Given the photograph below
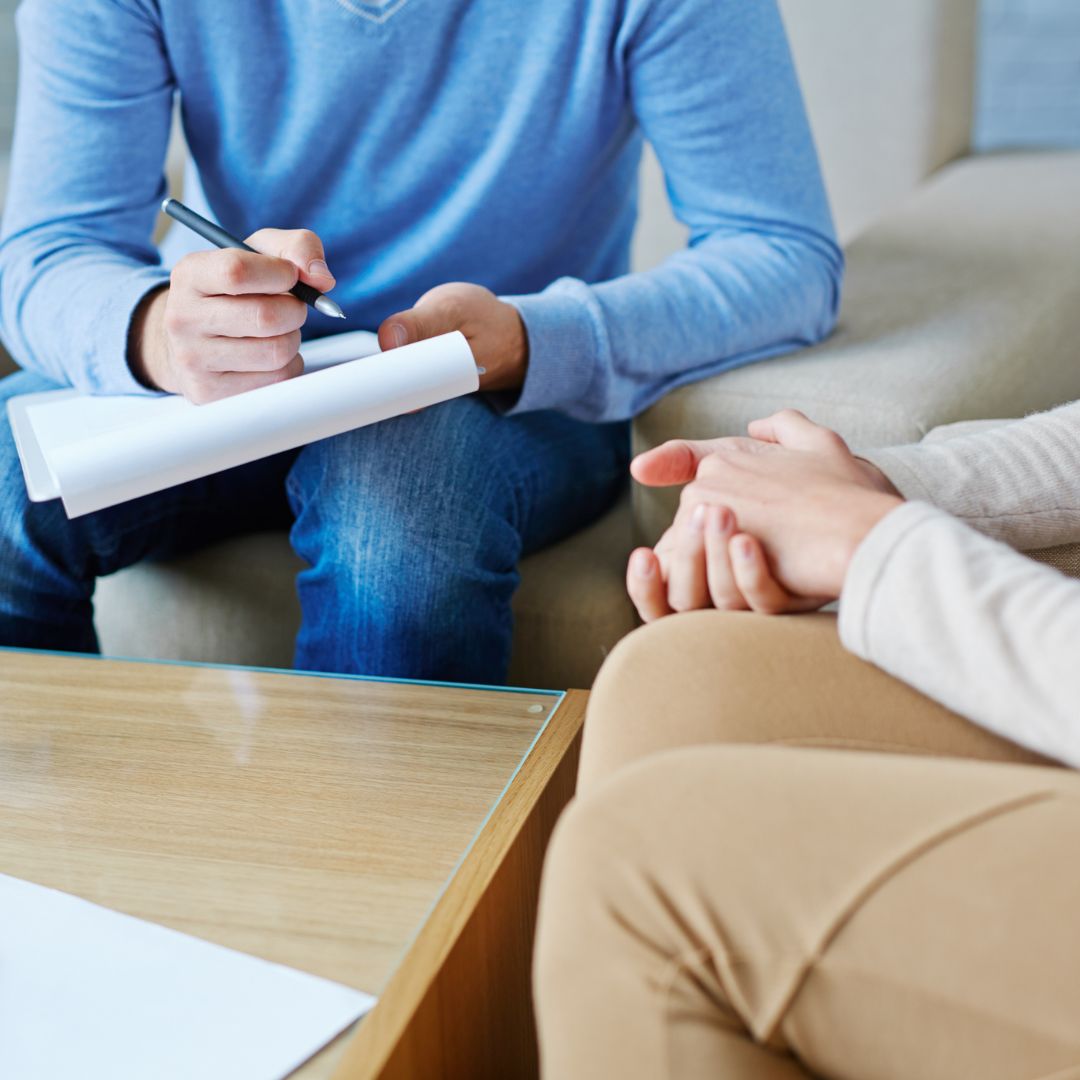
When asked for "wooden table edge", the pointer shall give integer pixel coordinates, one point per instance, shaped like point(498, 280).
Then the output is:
point(392, 1040)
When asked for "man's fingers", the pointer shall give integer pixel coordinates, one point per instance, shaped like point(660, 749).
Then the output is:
point(233, 272)
point(687, 588)
point(673, 462)
point(723, 589)
point(439, 311)
point(792, 429)
point(754, 578)
point(401, 329)
point(249, 354)
point(238, 316)
point(645, 584)
point(302, 248)
point(215, 386)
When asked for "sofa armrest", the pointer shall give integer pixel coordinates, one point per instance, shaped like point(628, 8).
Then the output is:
point(961, 304)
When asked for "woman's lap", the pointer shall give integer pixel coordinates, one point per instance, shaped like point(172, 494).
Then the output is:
point(773, 911)
point(715, 677)
point(858, 914)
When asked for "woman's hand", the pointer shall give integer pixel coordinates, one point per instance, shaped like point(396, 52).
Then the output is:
point(708, 563)
point(768, 523)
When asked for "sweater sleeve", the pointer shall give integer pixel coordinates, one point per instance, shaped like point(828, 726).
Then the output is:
point(92, 126)
point(712, 85)
point(1018, 482)
point(970, 623)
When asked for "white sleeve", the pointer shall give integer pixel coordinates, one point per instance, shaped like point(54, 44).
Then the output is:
point(967, 621)
point(1019, 483)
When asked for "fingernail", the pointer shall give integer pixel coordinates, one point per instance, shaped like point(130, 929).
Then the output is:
point(697, 518)
point(744, 549)
point(317, 268)
point(641, 564)
point(398, 334)
point(719, 521)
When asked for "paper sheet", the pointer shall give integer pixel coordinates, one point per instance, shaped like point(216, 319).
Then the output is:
point(337, 348)
point(104, 450)
point(90, 993)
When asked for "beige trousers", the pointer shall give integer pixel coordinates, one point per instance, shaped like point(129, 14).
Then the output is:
point(775, 912)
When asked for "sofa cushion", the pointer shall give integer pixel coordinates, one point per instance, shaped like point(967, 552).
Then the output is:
point(232, 603)
point(235, 603)
point(961, 304)
point(572, 606)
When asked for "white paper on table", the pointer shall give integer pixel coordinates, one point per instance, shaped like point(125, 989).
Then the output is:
point(91, 993)
point(94, 452)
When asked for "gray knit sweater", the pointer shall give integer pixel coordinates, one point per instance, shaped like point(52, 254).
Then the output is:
point(937, 596)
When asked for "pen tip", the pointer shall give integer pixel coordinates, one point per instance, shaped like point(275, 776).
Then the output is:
point(328, 308)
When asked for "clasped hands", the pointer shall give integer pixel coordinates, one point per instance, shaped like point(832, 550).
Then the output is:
point(226, 323)
point(767, 523)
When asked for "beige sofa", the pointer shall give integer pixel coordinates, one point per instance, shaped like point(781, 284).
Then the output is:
point(960, 303)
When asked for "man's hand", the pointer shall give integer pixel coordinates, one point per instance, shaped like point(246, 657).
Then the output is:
point(227, 322)
point(768, 522)
point(493, 329)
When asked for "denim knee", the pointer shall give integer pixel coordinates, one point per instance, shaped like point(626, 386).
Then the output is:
point(412, 552)
point(416, 485)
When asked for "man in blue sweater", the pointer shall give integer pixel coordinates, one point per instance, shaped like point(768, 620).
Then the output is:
point(460, 164)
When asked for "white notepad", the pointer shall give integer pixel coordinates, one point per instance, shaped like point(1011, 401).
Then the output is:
point(87, 992)
point(94, 452)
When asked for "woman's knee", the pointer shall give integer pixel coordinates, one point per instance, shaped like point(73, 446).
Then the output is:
point(679, 681)
point(586, 866)
point(625, 851)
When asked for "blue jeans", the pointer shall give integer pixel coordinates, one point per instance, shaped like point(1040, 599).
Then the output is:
point(412, 530)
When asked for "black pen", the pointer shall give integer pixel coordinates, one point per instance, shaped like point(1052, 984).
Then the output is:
point(217, 235)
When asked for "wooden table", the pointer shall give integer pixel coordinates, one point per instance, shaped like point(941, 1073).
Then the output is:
point(386, 835)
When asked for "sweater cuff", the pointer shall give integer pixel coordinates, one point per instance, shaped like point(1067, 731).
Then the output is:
point(869, 565)
point(562, 348)
point(898, 464)
point(107, 359)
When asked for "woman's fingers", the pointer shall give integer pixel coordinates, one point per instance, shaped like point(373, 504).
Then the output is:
point(723, 588)
point(687, 585)
point(645, 584)
point(707, 562)
point(796, 431)
point(673, 462)
point(754, 578)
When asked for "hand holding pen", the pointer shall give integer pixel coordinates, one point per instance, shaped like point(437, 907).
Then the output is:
point(230, 319)
point(227, 322)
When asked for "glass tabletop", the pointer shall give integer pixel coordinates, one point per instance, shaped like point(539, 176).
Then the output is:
point(310, 820)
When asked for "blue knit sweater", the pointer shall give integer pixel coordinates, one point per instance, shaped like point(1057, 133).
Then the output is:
point(492, 141)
